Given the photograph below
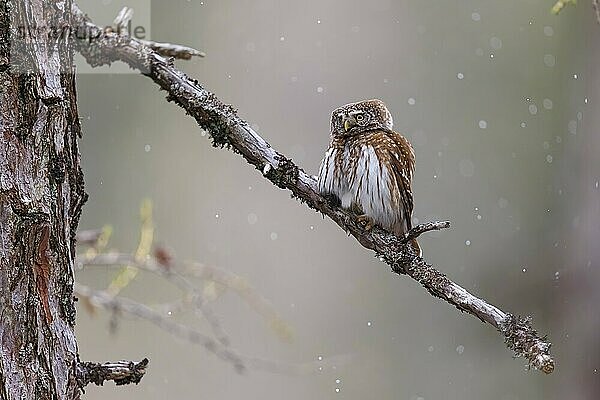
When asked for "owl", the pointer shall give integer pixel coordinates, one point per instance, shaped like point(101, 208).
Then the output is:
point(369, 167)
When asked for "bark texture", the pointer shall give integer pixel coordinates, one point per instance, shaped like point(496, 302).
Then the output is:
point(41, 196)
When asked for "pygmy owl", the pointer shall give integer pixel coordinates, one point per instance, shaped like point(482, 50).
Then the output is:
point(369, 167)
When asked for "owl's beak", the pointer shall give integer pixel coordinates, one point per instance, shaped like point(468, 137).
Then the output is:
point(348, 124)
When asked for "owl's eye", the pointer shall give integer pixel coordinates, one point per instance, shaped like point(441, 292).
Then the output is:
point(360, 117)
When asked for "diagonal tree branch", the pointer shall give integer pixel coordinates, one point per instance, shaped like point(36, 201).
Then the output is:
point(228, 130)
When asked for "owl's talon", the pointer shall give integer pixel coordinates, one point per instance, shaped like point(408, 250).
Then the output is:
point(366, 222)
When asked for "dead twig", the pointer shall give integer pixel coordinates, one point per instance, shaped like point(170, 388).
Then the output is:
point(121, 372)
point(174, 50)
point(120, 26)
point(423, 228)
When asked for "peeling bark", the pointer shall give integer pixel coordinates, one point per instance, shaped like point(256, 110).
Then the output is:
point(41, 196)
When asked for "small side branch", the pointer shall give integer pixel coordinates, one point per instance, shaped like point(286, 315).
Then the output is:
point(228, 130)
point(120, 26)
point(423, 228)
point(173, 50)
point(121, 372)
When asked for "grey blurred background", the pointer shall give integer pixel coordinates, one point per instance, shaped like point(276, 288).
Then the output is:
point(498, 99)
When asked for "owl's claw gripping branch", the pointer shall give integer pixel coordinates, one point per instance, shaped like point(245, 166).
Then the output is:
point(366, 221)
point(228, 130)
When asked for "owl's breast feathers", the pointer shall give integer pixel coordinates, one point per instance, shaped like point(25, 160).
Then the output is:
point(372, 171)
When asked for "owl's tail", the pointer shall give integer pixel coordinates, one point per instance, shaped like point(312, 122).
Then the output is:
point(415, 245)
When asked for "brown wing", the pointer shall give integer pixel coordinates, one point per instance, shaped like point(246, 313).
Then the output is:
point(403, 166)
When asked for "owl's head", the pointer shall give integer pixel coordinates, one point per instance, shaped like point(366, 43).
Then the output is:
point(363, 116)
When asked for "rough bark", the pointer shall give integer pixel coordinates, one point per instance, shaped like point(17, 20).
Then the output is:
point(41, 196)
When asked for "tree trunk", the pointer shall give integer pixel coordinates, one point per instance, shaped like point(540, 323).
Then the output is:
point(41, 196)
